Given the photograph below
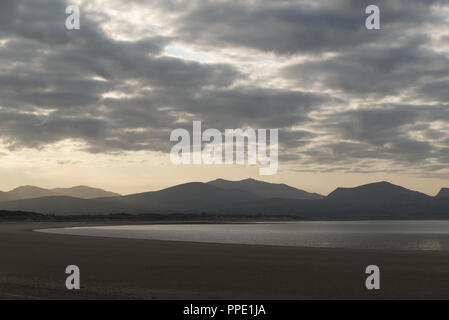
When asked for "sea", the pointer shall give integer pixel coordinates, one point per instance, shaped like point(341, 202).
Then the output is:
point(394, 235)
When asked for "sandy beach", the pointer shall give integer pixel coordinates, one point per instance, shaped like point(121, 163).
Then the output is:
point(32, 267)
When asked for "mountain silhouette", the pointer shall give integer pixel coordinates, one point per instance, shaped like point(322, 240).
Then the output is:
point(189, 197)
point(84, 192)
point(32, 192)
point(25, 192)
point(194, 197)
point(444, 193)
point(379, 191)
point(381, 200)
point(265, 189)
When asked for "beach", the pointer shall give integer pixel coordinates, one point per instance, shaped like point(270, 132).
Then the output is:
point(32, 266)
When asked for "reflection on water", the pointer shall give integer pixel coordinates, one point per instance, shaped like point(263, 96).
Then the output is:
point(403, 235)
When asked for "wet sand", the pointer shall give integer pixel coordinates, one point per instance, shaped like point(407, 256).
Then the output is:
point(32, 266)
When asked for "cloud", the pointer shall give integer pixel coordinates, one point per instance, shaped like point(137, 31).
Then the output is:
point(436, 91)
point(289, 27)
point(344, 98)
point(399, 133)
point(387, 69)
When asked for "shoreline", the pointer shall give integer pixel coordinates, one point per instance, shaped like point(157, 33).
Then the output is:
point(33, 265)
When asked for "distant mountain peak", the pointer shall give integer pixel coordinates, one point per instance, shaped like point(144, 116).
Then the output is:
point(84, 192)
point(444, 193)
point(26, 187)
point(82, 187)
point(32, 192)
point(378, 191)
point(265, 189)
point(384, 183)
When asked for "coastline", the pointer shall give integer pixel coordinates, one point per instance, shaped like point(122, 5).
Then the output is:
point(33, 265)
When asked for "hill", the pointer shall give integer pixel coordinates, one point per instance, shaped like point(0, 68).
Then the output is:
point(444, 193)
point(379, 191)
point(192, 197)
point(32, 192)
point(265, 189)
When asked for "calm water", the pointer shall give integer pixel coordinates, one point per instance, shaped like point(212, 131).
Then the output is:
point(404, 235)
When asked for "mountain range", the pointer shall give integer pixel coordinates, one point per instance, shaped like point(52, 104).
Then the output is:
point(29, 192)
point(265, 190)
point(381, 200)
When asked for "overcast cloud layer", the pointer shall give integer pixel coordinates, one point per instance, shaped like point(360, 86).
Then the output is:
point(344, 98)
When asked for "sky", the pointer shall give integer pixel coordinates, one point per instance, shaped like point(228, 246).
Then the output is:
point(96, 106)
